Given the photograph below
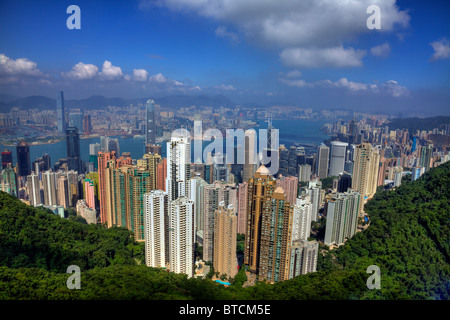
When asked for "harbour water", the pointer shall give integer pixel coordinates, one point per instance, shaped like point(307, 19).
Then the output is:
point(291, 132)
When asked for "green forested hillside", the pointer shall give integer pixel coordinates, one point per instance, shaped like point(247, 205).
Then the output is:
point(408, 239)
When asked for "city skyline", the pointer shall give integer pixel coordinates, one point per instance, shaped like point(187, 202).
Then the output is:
point(250, 52)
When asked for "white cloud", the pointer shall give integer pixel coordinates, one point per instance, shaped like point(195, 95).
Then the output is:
point(390, 87)
point(225, 87)
point(317, 58)
point(158, 78)
point(224, 33)
point(296, 24)
point(81, 71)
point(110, 72)
point(383, 50)
point(18, 67)
point(441, 49)
point(140, 75)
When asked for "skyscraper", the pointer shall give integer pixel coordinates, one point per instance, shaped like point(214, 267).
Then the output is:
point(23, 159)
point(60, 121)
point(322, 161)
point(178, 166)
point(342, 217)
point(276, 237)
point(6, 158)
point(87, 125)
point(301, 222)
point(9, 181)
point(150, 132)
point(225, 233)
point(182, 236)
point(156, 221)
point(73, 149)
point(76, 121)
point(242, 207)
point(103, 159)
point(34, 190)
point(249, 155)
point(260, 189)
point(304, 172)
point(365, 171)
point(337, 158)
point(290, 186)
point(49, 183)
point(303, 257)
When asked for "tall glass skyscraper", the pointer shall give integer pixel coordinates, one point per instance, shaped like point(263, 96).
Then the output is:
point(73, 149)
point(150, 129)
point(23, 159)
point(61, 124)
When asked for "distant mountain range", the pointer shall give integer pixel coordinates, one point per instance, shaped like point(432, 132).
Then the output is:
point(7, 102)
point(414, 124)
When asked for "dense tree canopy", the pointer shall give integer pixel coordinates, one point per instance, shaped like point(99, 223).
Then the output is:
point(408, 239)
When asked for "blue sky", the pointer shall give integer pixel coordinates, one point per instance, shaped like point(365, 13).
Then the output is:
point(307, 53)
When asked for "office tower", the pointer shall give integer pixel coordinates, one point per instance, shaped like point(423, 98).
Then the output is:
point(342, 217)
point(9, 181)
point(249, 155)
point(34, 189)
point(89, 193)
point(322, 161)
point(348, 167)
point(283, 154)
point(398, 174)
point(314, 194)
point(221, 171)
point(197, 194)
point(73, 149)
point(87, 124)
point(113, 145)
point(276, 237)
point(365, 171)
point(150, 131)
point(6, 158)
point(337, 158)
point(427, 155)
point(290, 186)
point(60, 115)
point(304, 172)
point(76, 121)
point(301, 222)
point(103, 159)
point(178, 166)
point(104, 144)
point(150, 162)
point(225, 233)
point(213, 195)
point(156, 221)
point(303, 257)
point(260, 189)
point(242, 207)
point(23, 159)
point(72, 183)
point(344, 182)
point(49, 184)
point(161, 175)
point(94, 149)
point(181, 236)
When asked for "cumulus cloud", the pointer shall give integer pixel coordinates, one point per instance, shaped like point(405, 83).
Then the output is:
point(296, 24)
point(391, 87)
point(158, 78)
point(18, 67)
point(81, 71)
point(110, 72)
point(140, 75)
point(383, 50)
point(327, 57)
point(441, 49)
